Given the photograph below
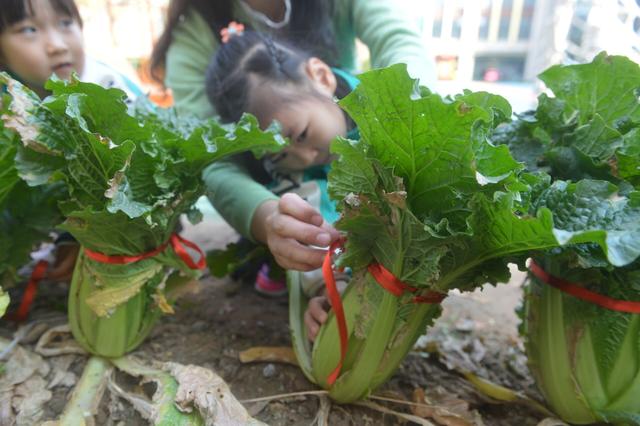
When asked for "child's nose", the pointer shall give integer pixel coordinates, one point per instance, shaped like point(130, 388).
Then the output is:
point(55, 42)
point(309, 156)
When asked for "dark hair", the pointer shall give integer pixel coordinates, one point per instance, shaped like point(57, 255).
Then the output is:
point(245, 62)
point(310, 25)
point(239, 66)
point(13, 11)
point(251, 61)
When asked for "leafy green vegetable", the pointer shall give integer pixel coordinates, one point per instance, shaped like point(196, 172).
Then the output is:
point(427, 195)
point(589, 129)
point(27, 214)
point(128, 178)
point(4, 302)
point(585, 358)
point(243, 258)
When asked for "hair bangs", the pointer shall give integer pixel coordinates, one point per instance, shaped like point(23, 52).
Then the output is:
point(14, 11)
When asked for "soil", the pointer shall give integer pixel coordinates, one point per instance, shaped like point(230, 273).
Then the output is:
point(477, 332)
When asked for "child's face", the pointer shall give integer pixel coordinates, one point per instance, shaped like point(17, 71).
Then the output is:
point(310, 121)
point(310, 124)
point(45, 43)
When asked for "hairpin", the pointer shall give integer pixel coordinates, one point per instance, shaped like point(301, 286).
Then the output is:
point(234, 29)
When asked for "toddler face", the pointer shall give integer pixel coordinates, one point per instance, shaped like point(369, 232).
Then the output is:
point(46, 42)
point(310, 124)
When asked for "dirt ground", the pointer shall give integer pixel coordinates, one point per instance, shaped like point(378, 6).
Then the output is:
point(477, 333)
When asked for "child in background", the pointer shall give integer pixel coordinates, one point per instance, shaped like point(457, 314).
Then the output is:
point(39, 38)
point(274, 80)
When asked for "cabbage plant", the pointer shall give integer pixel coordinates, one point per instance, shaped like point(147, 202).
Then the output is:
point(585, 357)
point(426, 195)
point(127, 178)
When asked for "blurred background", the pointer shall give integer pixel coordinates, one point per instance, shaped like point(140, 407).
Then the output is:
point(494, 45)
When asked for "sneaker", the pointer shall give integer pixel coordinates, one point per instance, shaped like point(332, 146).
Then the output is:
point(268, 286)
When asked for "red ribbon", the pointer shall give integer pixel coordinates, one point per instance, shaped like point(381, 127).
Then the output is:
point(177, 243)
point(30, 292)
point(393, 285)
point(582, 293)
point(384, 277)
point(336, 305)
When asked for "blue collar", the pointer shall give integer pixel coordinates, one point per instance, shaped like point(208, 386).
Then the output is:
point(351, 80)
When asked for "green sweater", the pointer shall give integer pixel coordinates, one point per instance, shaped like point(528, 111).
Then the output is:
point(384, 26)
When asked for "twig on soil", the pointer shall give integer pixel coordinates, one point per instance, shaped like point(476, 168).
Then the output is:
point(286, 395)
point(373, 406)
point(322, 417)
point(400, 401)
point(17, 338)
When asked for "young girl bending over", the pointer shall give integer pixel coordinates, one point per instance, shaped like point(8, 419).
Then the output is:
point(276, 81)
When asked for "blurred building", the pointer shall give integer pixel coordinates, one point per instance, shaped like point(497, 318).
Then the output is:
point(611, 25)
point(478, 43)
point(122, 33)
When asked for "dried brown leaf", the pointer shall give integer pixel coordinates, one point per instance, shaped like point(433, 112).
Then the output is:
point(446, 409)
point(281, 354)
point(204, 390)
point(58, 341)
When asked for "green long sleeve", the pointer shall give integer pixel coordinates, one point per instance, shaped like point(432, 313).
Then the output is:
point(383, 25)
point(235, 194)
point(392, 37)
point(188, 56)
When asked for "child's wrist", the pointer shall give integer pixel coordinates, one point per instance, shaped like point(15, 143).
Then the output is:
point(259, 220)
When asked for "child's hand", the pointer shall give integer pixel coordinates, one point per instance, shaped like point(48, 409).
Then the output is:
point(291, 226)
point(317, 311)
point(316, 315)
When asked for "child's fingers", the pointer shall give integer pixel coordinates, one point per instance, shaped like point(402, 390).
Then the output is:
point(318, 307)
point(290, 254)
point(331, 230)
point(294, 205)
point(311, 326)
point(315, 316)
point(319, 233)
point(286, 226)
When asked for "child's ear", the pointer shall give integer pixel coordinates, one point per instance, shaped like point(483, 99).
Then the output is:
point(321, 76)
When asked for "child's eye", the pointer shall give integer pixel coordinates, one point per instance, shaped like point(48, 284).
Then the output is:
point(278, 157)
point(302, 136)
point(27, 29)
point(66, 22)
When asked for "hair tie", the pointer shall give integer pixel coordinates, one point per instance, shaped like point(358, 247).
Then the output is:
point(233, 29)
